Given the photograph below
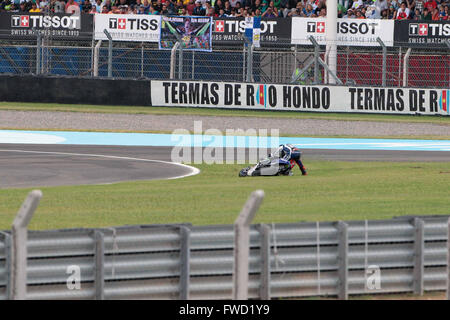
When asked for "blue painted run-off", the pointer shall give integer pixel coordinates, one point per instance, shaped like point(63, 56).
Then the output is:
point(151, 139)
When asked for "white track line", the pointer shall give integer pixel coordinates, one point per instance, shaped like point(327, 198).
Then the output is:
point(193, 172)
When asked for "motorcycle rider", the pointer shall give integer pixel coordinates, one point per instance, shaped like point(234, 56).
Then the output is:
point(290, 155)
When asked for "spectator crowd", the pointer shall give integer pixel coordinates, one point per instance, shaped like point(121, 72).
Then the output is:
point(356, 9)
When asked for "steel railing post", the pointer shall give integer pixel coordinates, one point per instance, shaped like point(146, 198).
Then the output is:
point(406, 67)
point(180, 62)
point(185, 258)
point(264, 289)
point(342, 260)
point(19, 250)
point(419, 250)
point(448, 258)
point(316, 59)
point(242, 244)
point(96, 58)
point(38, 50)
point(384, 70)
point(110, 49)
point(7, 242)
point(173, 60)
point(99, 240)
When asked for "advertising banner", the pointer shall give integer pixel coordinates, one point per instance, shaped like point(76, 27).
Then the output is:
point(300, 98)
point(273, 31)
point(422, 33)
point(126, 27)
point(350, 32)
point(195, 33)
point(19, 26)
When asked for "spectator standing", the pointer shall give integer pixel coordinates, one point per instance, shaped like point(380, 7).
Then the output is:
point(380, 5)
point(98, 6)
point(426, 14)
point(108, 5)
point(198, 10)
point(435, 14)
point(403, 12)
point(86, 6)
point(227, 8)
point(190, 7)
point(34, 8)
point(445, 14)
point(234, 2)
point(430, 5)
point(152, 11)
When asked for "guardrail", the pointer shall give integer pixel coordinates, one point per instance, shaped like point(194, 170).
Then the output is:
point(196, 262)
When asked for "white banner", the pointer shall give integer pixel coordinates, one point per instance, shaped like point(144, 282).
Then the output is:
point(350, 32)
point(300, 98)
point(126, 27)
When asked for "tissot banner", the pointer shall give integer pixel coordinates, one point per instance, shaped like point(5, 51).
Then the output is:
point(350, 32)
point(421, 33)
point(19, 26)
point(230, 31)
point(194, 33)
point(300, 98)
point(126, 27)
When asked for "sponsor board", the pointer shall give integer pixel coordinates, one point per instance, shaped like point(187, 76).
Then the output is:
point(194, 33)
point(126, 27)
point(58, 26)
point(350, 32)
point(300, 98)
point(421, 33)
point(275, 31)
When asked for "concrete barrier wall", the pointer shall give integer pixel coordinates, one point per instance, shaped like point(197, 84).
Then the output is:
point(53, 89)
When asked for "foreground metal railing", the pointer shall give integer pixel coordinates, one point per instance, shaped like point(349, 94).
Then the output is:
point(400, 255)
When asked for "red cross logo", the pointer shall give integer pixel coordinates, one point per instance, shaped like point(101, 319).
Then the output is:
point(320, 27)
point(423, 29)
point(24, 21)
point(220, 26)
point(122, 23)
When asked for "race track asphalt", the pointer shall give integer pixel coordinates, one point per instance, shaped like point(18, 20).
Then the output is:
point(34, 165)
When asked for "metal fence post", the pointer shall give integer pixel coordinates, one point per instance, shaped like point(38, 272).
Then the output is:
point(185, 258)
point(96, 58)
point(384, 60)
point(324, 65)
point(19, 252)
point(180, 62)
point(264, 289)
point(99, 265)
point(193, 66)
point(250, 63)
point(419, 246)
point(242, 243)
point(173, 60)
point(316, 60)
point(108, 35)
point(7, 239)
point(38, 50)
point(448, 258)
point(342, 260)
point(406, 67)
point(142, 59)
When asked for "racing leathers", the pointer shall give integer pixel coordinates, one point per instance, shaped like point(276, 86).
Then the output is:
point(289, 156)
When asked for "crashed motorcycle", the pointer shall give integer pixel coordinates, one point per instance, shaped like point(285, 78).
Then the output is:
point(268, 167)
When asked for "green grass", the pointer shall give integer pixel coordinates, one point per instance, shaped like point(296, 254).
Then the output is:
point(218, 112)
point(331, 191)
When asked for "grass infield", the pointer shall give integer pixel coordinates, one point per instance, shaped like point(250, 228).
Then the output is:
point(332, 191)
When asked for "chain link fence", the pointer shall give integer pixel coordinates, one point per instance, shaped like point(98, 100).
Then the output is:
point(396, 66)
